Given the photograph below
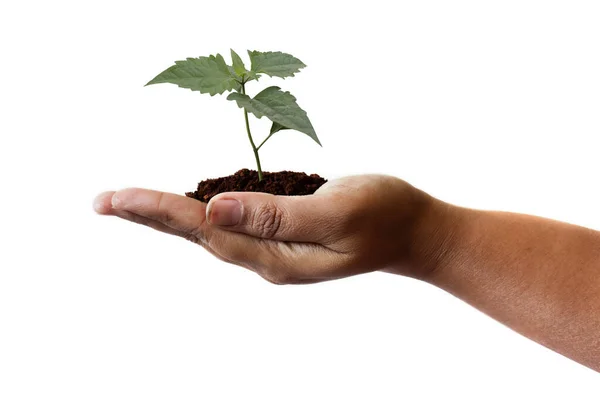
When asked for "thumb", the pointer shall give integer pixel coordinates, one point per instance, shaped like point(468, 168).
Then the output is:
point(286, 218)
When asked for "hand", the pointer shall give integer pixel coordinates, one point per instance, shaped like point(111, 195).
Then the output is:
point(349, 226)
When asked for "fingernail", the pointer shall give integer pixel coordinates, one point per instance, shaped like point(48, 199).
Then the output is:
point(225, 212)
point(115, 201)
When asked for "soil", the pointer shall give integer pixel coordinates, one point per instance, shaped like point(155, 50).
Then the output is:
point(245, 180)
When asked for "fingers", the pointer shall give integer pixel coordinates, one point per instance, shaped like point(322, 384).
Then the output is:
point(176, 212)
point(285, 218)
point(103, 205)
point(275, 260)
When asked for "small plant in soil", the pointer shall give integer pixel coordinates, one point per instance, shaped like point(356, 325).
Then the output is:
point(213, 75)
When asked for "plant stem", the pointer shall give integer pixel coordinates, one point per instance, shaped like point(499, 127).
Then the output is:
point(263, 142)
point(254, 148)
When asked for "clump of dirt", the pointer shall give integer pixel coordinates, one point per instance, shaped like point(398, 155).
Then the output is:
point(280, 183)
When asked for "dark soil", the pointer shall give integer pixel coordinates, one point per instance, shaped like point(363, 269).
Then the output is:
point(245, 180)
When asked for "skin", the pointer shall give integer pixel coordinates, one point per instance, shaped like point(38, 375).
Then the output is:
point(537, 276)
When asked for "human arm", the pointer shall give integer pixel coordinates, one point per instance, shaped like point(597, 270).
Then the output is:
point(537, 276)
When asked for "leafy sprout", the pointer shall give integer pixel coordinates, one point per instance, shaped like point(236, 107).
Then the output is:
point(213, 75)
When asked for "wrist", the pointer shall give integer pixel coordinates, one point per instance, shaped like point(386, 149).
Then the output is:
point(436, 239)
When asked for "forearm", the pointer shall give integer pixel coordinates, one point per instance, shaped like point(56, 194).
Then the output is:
point(537, 276)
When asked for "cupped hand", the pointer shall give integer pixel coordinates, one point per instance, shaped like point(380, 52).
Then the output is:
point(349, 226)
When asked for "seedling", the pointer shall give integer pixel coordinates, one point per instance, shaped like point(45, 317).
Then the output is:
point(212, 75)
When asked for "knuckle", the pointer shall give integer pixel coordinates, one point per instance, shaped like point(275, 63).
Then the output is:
point(267, 220)
point(195, 235)
point(199, 233)
point(193, 238)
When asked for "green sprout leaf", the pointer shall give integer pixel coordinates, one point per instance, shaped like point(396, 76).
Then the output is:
point(278, 106)
point(204, 74)
point(240, 70)
point(212, 75)
point(275, 63)
point(238, 64)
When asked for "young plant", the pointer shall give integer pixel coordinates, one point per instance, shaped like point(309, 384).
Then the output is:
point(212, 75)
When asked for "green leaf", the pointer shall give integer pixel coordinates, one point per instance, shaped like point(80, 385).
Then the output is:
point(240, 70)
point(232, 71)
point(275, 63)
point(204, 74)
point(238, 64)
point(278, 106)
point(276, 127)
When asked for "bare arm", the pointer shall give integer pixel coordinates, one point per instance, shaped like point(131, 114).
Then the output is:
point(537, 276)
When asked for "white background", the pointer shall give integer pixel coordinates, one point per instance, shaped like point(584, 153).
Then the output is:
point(484, 104)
